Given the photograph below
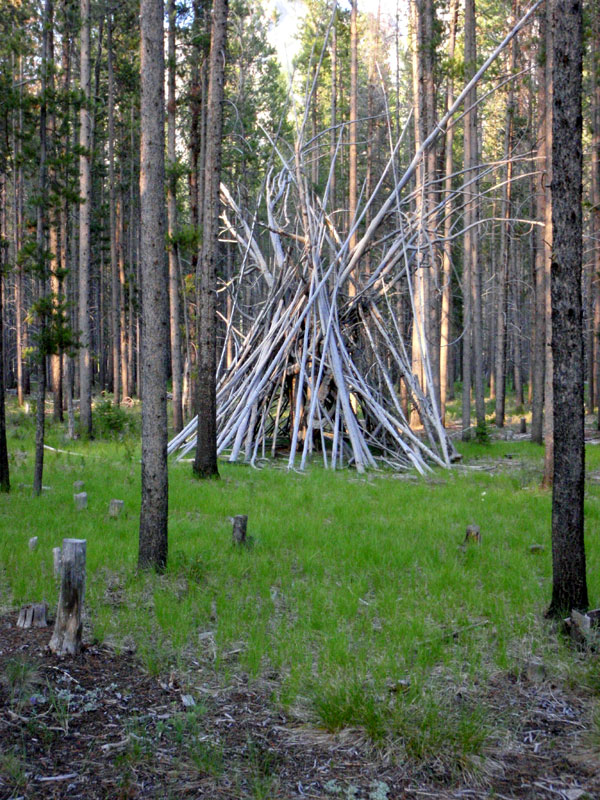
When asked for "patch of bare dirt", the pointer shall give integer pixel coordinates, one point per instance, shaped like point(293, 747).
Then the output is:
point(98, 726)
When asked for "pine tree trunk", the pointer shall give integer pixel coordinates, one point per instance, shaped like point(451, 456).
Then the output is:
point(470, 278)
point(205, 462)
point(85, 194)
point(353, 134)
point(569, 587)
point(334, 132)
point(176, 370)
point(538, 353)
point(112, 203)
point(595, 167)
point(446, 313)
point(41, 262)
point(4, 468)
point(548, 382)
point(153, 541)
point(505, 244)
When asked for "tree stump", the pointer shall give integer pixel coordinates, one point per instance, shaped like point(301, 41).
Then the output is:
point(240, 523)
point(66, 639)
point(33, 543)
point(473, 534)
point(33, 616)
point(80, 500)
point(115, 508)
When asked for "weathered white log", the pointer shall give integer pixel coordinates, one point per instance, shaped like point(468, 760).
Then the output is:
point(33, 616)
point(66, 639)
point(57, 561)
point(240, 523)
point(81, 500)
point(115, 508)
point(33, 543)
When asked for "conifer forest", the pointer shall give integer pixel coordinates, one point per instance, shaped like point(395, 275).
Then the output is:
point(332, 268)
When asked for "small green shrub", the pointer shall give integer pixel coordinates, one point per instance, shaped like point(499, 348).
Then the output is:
point(111, 421)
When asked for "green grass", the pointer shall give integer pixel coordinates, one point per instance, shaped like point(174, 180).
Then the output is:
point(353, 584)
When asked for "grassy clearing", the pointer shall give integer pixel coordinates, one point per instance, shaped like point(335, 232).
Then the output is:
point(357, 599)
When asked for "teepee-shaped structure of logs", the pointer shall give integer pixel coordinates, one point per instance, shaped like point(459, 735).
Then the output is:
point(323, 363)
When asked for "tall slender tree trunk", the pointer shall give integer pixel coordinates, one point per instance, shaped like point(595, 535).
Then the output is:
point(40, 420)
point(538, 353)
point(334, 132)
point(569, 587)
point(353, 134)
point(176, 369)
point(420, 278)
point(205, 462)
point(505, 245)
point(471, 280)
point(446, 313)
point(4, 468)
point(595, 166)
point(120, 252)
point(85, 194)
point(112, 204)
point(53, 231)
point(548, 381)
point(153, 539)
point(18, 234)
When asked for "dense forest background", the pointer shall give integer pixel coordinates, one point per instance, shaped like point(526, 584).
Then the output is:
point(319, 159)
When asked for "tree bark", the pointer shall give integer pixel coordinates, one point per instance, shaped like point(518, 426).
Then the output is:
point(112, 190)
point(176, 369)
point(40, 419)
point(446, 312)
point(595, 166)
point(569, 588)
point(505, 245)
point(153, 541)
point(85, 194)
point(353, 134)
point(205, 462)
point(4, 468)
point(538, 353)
point(548, 380)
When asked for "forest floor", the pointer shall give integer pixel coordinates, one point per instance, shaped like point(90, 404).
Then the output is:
point(360, 648)
point(98, 726)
